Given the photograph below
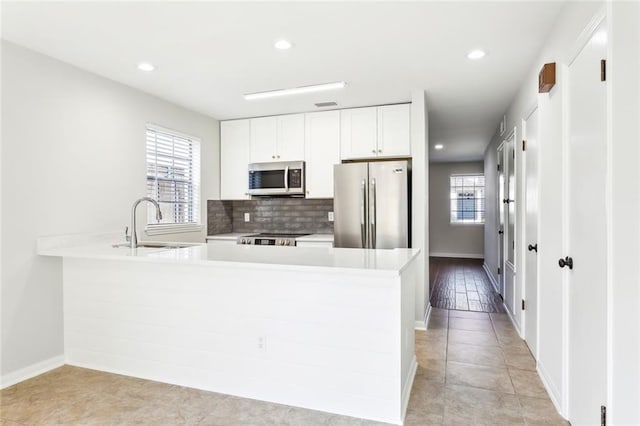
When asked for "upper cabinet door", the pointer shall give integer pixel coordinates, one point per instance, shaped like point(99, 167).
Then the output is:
point(234, 158)
point(290, 146)
point(322, 151)
point(358, 133)
point(394, 131)
point(264, 136)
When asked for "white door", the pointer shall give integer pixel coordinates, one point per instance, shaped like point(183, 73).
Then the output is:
point(234, 159)
point(264, 135)
point(511, 293)
point(531, 232)
point(290, 146)
point(501, 219)
point(587, 242)
point(359, 133)
point(394, 138)
point(322, 151)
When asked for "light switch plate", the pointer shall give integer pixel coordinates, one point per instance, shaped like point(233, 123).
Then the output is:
point(330, 216)
point(247, 217)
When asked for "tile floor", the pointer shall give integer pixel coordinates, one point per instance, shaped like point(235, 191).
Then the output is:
point(473, 369)
point(462, 284)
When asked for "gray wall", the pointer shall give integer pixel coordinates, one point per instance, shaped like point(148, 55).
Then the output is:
point(446, 239)
point(73, 161)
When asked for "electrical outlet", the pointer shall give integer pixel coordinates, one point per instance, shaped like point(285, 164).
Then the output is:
point(330, 216)
point(247, 217)
point(262, 344)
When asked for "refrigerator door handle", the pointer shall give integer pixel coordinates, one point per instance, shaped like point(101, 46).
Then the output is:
point(363, 206)
point(372, 219)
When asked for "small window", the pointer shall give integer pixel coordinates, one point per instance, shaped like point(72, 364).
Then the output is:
point(467, 199)
point(173, 179)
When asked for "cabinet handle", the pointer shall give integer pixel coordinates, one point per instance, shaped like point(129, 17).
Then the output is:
point(277, 156)
point(273, 156)
point(379, 151)
point(373, 151)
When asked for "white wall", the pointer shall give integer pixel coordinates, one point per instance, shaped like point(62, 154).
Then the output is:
point(420, 198)
point(623, 293)
point(73, 161)
point(574, 17)
point(445, 239)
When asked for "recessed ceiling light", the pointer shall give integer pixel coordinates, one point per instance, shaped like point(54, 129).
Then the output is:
point(295, 90)
point(438, 146)
point(476, 54)
point(146, 66)
point(283, 44)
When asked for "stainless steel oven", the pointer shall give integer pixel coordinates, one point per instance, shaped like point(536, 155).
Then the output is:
point(278, 178)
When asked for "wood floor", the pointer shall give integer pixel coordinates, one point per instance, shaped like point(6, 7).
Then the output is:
point(462, 284)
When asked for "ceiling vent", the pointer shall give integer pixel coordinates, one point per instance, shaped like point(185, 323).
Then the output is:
point(326, 104)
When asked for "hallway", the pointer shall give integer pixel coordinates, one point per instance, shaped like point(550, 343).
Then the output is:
point(462, 284)
point(475, 369)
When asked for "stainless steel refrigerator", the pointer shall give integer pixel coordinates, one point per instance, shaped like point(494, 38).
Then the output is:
point(371, 205)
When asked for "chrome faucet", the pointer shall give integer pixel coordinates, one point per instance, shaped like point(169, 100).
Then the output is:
point(133, 239)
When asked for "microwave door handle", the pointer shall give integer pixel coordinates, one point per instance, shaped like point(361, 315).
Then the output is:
point(363, 206)
point(286, 178)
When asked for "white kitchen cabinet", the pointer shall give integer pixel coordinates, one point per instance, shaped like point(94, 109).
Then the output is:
point(264, 137)
point(358, 132)
point(394, 127)
point(376, 132)
point(235, 136)
point(322, 151)
point(279, 138)
point(315, 244)
point(290, 139)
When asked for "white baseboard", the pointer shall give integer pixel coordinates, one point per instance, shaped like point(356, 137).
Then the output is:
point(422, 325)
point(458, 255)
point(493, 281)
point(513, 321)
point(554, 395)
point(30, 371)
point(408, 384)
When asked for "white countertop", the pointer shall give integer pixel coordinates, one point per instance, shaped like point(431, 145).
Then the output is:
point(385, 262)
point(307, 238)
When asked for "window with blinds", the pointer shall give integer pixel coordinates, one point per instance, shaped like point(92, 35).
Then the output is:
point(173, 178)
point(467, 198)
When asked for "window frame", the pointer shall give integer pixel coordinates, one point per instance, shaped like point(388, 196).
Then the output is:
point(484, 217)
point(172, 228)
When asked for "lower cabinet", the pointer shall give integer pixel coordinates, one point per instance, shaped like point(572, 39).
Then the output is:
point(326, 244)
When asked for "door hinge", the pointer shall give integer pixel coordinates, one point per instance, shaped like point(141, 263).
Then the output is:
point(524, 145)
point(514, 154)
point(513, 245)
point(603, 415)
point(498, 167)
point(603, 70)
point(498, 271)
point(523, 304)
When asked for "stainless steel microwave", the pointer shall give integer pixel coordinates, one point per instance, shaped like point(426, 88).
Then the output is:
point(278, 178)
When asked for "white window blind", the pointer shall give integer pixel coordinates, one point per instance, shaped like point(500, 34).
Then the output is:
point(467, 198)
point(173, 179)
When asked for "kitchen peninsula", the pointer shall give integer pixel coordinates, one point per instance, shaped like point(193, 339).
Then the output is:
point(321, 328)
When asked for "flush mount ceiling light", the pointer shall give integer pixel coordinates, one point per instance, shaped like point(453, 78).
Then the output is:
point(146, 66)
point(283, 44)
point(438, 146)
point(296, 90)
point(476, 54)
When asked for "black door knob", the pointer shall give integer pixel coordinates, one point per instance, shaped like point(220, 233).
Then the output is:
point(533, 248)
point(505, 201)
point(567, 261)
point(500, 232)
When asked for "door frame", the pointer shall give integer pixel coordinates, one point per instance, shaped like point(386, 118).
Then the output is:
point(533, 108)
point(499, 211)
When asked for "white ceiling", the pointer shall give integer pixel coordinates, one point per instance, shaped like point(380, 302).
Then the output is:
point(208, 54)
